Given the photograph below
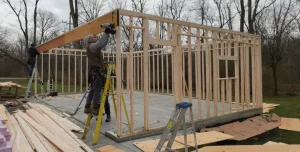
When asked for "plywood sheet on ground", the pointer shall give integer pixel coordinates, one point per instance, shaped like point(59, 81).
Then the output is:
point(109, 148)
point(248, 128)
point(292, 124)
point(202, 139)
point(252, 148)
point(274, 143)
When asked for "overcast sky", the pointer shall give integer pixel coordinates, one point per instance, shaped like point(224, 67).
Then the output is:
point(58, 7)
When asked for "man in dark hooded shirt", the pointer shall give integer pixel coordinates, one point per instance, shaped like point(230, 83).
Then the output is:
point(33, 52)
point(96, 68)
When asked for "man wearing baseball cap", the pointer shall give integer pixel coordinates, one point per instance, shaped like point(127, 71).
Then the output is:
point(96, 69)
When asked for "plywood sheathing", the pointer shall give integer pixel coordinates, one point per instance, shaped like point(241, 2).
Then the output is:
point(252, 148)
point(109, 148)
point(248, 128)
point(292, 124)
point(202, 139)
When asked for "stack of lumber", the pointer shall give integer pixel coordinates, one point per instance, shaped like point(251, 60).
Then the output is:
point(40, 129)
point(10, 85)
point(3, 114)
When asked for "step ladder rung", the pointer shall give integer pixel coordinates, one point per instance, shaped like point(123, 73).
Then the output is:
point(108, 89)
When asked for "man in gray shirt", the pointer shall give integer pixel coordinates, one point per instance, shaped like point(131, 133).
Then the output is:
point(97, 69)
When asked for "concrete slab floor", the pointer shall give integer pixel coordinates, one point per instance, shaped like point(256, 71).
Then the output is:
point(160, 110)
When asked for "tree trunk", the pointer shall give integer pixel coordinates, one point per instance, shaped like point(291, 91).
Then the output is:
point(250, 18)
point(74, 15)
point(242, 20)
point(274, 70)
point(16, 59)
point(34, 21)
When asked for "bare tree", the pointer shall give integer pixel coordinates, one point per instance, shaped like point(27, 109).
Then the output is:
point(117, 4)
point(242, 19)
point(276, 27)
point(74, 12)
point(252, 14)
point(202, 11)
point(21, 12)
point(34, 20)
point(90, 9)
point(224, 13)
point(8, 49)
point(240, 8)
point(74, 15)
point(47, 25)
point(175, 8)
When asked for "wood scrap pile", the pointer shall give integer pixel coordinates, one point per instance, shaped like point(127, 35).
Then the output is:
point(251, 148)
point(249, 128)
point(10, 85)
point(269, 106)
point(202, 139)
point(40, 129)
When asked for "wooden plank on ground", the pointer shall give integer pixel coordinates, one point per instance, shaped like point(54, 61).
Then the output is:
point(53, 138)
point(21, 143)
point(31, 136)
point(292, 124)
point(58, 119)
point(202, 139)
point(66, 131)
point(55, 129)
point(11, 130)
point(49, 146)
point(68, 124)
point(252, 148)
point(109, 148)
point(64, 134)
point(248, 128)
point(3, 115)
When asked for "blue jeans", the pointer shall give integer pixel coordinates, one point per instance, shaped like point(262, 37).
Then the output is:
point(31, 67)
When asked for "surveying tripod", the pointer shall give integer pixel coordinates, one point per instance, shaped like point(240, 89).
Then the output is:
point(110, 69)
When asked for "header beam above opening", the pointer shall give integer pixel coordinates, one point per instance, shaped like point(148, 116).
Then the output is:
point(92, 27)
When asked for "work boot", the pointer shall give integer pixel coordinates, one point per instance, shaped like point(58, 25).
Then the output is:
point(87, 109)
point(95, 110)
point(108, 118)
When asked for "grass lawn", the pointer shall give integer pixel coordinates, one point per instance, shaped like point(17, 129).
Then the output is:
point(24, 83)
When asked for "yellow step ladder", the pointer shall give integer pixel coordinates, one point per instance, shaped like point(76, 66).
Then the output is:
point(111, 68)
